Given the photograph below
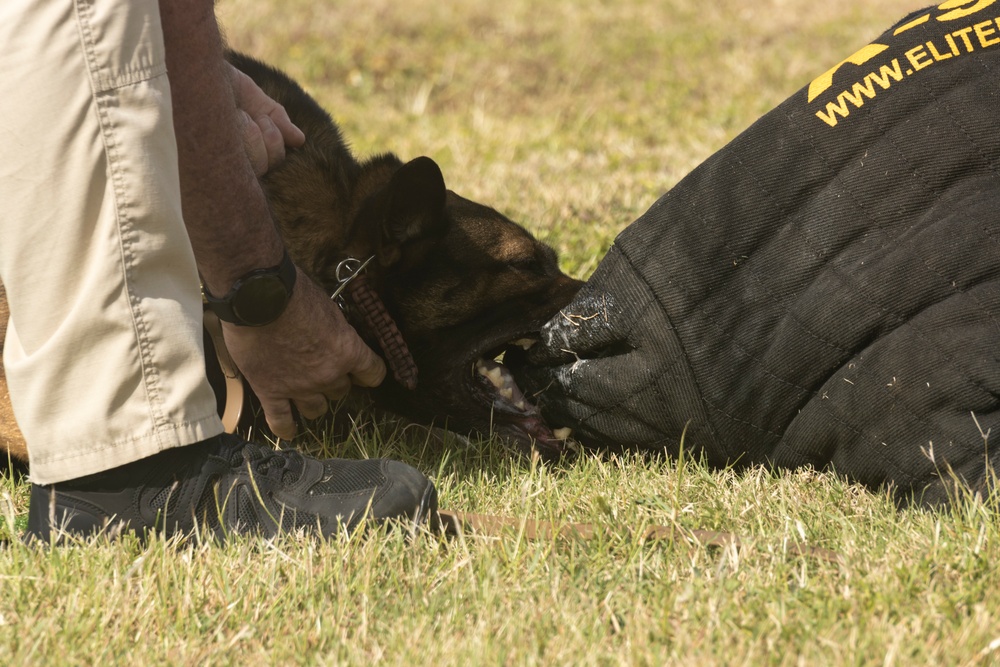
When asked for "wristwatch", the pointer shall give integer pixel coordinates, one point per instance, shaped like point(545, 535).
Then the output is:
point(256, 298)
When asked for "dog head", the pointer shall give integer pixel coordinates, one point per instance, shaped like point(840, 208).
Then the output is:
point(466, 286)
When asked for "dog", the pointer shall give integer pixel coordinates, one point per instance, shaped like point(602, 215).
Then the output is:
point(458, 285)
point(11, 440)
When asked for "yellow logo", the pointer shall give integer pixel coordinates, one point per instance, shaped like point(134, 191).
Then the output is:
point(958, 13)
point(969, 39)
point(822, 83)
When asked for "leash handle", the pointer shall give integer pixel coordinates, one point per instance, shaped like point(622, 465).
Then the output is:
point(459, 523)
point(234, 379)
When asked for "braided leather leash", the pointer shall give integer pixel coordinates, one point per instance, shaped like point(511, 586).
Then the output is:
point(380, 324)
point(460, 523)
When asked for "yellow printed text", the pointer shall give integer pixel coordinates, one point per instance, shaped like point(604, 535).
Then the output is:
point(982, 35)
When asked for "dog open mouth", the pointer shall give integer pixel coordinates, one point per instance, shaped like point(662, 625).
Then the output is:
point(513, 414)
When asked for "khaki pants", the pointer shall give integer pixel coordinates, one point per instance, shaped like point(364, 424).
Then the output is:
point(103, 354)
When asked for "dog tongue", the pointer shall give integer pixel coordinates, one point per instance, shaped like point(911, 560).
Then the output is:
point(509, 399)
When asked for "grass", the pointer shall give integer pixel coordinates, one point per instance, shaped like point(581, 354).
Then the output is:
point(572, 116)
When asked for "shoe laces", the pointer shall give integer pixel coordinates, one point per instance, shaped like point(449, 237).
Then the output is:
point(266, 461)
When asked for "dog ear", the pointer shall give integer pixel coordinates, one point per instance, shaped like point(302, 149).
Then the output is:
point(416, 199)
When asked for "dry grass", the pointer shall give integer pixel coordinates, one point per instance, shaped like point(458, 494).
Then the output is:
point(572, 116)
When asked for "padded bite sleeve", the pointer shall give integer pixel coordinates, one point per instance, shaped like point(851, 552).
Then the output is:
point(824, 290)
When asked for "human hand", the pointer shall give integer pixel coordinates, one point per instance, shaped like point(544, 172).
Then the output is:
point(306, 357)
point(609, 366)
point(267, 129)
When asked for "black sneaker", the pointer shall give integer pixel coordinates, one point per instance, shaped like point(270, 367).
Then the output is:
point(226, 486)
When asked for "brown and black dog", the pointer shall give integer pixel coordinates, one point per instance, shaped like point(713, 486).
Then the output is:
point(463, 283)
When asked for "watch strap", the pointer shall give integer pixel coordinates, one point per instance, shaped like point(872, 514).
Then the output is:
point(223, 306)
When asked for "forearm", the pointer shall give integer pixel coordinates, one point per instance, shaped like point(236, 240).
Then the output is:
point(227, 218)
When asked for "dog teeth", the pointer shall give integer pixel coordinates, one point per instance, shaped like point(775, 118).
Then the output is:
point(494, 375)
point(562, 433)
point(524, 343)
point(507, 391)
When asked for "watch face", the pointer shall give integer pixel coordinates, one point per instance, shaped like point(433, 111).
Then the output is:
point(260, 299)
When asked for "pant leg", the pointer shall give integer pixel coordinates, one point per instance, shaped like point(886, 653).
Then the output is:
point(104, 355)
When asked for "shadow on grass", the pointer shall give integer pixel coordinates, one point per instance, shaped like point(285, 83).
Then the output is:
point(14, 469)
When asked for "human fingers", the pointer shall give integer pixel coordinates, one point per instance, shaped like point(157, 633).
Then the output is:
point(254, 145)
point(313, 407)
point(290, 132)
point(271, 137)
point(255, 102)
point(369, 371)
point(279, 417)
